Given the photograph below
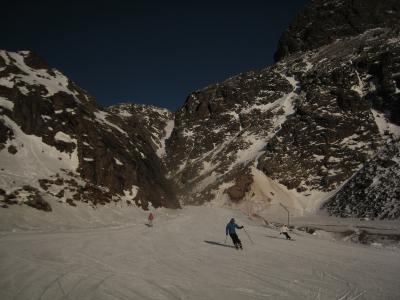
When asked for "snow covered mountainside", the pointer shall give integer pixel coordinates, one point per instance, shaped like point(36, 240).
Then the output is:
point(318, 128)
point(304, 125)
point(57, 143)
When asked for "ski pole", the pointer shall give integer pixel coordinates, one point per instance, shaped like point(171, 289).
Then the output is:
point(225, 239)
point(248, 236)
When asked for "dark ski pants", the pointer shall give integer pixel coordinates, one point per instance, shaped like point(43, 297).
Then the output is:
point(287, 236)
point(235, 240)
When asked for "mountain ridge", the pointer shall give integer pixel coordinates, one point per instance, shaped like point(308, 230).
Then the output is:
point(297, 132)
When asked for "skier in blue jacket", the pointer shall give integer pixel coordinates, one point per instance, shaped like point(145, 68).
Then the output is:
point(231, 230)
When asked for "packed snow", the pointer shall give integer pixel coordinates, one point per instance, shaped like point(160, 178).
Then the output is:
point(110, 253)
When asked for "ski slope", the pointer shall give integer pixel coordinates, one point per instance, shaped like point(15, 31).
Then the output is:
point(109, 253)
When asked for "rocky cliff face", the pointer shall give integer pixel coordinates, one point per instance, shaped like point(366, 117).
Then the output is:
point(325, 21)
point(308, 123)
point(154, 123)
point(56, 141)
point(374, 191)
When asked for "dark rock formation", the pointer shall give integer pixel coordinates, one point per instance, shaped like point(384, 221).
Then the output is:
point(325, 21)
point(242, 185)
point(374, 191)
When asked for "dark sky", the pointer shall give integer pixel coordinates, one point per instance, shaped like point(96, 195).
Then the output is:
point(152, 52)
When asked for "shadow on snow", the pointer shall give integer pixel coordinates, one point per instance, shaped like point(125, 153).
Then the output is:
point(219, 244)
point(279, 238)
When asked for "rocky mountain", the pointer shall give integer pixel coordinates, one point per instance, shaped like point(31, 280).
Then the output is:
point(374, 191)
point(303, 126)
point(55, 141)
point(325, 21)
point(320, 126)
point(154, 123)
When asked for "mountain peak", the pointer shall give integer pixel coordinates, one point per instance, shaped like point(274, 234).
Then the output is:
point(324, 21)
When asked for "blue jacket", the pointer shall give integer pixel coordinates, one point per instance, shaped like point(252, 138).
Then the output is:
point(231, 226)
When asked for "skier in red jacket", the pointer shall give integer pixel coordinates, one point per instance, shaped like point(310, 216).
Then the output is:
point(151, 218)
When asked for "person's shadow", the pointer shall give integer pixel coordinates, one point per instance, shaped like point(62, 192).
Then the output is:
point(274, 237)
point(279, 238)
point(219, 244)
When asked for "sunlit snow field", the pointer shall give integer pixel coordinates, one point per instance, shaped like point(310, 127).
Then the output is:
point(109, 253)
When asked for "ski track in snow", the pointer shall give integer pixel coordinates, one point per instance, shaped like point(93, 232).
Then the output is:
point(184, 257)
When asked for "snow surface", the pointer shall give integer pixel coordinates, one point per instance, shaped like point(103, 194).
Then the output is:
point(266, 196)
point(109, 253)
point(61, 136)
point(130, 195)
point(384, 125)
point(118, 162)
point(167, 133)
point(34, 159)
point(359, 88)
point(7, 104)
point(124, 113)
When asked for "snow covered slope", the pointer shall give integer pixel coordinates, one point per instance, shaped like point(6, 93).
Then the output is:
point(308, 123)
point(184, 256)
point(57, 143)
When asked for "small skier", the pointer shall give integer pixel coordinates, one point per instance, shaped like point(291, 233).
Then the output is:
point(284, 231)
point(231, 229)
point(150, 218)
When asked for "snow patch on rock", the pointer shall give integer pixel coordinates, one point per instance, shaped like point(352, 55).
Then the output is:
point(63, 137)
point(54, 83)
point(384, 125)
point(118, 162)
point(7, 104)
point(167, 133)
point(33, 160)
point(101, 117)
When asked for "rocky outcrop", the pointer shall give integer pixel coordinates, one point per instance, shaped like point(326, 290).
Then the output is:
point(325, 21)
point(242, 185)
point(374, 191)
point(154, 123)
